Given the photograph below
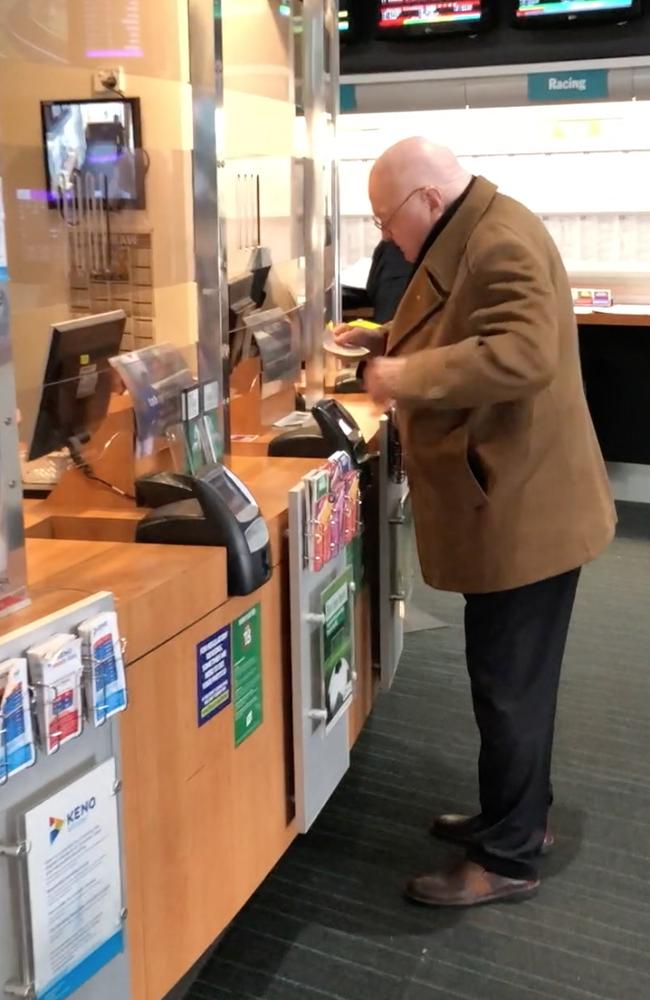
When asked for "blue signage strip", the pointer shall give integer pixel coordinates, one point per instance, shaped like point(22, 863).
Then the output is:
point(75, 978)
point(348, 97)
point(572, 85)
point(213, 675)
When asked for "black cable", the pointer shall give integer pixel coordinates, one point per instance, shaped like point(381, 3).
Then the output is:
point(104, 482)
point(88, 471)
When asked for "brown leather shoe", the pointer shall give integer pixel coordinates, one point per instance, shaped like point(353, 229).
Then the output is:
point(457, 829)
point(468, 885)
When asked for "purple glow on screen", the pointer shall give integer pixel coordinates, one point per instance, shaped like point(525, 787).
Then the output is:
point(33, 194)
point(114, 54)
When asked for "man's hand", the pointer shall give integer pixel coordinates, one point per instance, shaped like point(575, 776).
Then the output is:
point(382, 379)
point(355, 336)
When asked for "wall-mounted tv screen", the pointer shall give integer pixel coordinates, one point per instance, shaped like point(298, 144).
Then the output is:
point(357, 20)
point(402, 20)
point(542, 13)
point(93, 151)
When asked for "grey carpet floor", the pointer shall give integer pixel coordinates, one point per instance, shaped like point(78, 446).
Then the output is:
point(330, 923)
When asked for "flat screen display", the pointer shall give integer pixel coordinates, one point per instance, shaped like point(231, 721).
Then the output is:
point(92, 151)
point(538, 12)
point(228, 487)
point(357, 20)
point(403, 19)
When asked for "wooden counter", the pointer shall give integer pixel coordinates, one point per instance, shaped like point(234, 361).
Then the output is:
point(205, 821)
point(361, 407)
point(615, 316)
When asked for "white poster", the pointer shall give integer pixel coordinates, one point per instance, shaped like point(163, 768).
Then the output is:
point(75, 884)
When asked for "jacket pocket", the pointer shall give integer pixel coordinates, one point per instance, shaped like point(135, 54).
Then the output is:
point(477, 471)
point(446, 464)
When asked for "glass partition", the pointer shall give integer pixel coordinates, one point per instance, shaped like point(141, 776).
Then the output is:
point(98, 211)
point(277, 187)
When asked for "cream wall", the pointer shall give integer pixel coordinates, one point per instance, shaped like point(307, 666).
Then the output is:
point(49, 50)
point(259, 134)
point(583, 168)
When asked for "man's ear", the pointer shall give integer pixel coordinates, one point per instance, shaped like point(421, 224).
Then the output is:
point(434, 198)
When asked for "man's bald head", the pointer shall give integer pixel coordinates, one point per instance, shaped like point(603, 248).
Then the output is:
point(429, 176)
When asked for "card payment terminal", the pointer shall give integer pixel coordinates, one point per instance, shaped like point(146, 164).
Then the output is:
point(332, 429)
point(212, 508)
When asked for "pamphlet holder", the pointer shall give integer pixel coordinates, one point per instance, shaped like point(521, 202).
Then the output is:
point(98, 704)
point(321, 751)
point(35, 784)
point(5, 719)
point(50, 693)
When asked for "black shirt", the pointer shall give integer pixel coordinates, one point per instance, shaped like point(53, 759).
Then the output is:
point(441, 224)
point(389, 276)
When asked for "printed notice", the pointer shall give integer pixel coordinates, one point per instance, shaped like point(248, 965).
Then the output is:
point(337, 646)
point(213, 689)
point(247, 670)
point(75, 884)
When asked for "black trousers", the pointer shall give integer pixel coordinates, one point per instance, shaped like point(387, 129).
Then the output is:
point(515, 644)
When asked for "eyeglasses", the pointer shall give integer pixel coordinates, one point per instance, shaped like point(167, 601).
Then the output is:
point(385, 225)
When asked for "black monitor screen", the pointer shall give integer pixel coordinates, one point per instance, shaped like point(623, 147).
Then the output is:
point(403, 19)
point(532, 12)
point(357, 20)
point(240, 298)
point(92, 151)
point(236, 500)
point(77, 382)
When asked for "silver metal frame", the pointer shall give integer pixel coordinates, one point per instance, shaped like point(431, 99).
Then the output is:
point(32, 786)
point(11, 497)
point(314, 193)
point(516, 69)
point(335, 73)
point(206, 77)
point(394, 540)
point(321, 755)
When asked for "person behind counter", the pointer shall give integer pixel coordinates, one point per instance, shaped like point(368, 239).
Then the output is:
point(509, 490)
point(387, 280)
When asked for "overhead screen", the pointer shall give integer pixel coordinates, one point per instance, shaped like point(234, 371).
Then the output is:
point(426, 19)
point(540, 13)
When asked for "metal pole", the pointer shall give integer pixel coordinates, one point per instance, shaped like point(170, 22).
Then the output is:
point(335, 75)
point(314, 105)
point(206, 77)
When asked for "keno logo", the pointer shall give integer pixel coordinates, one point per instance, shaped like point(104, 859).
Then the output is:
point(79, 813)
point(73, 818)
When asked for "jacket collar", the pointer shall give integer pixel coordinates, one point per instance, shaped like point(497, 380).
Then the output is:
point(441, 225)
point(433, 279)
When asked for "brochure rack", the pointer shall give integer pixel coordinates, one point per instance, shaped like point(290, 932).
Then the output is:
point(321, 743)
point(26, 790)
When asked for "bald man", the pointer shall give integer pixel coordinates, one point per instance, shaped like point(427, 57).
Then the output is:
point(509, 490)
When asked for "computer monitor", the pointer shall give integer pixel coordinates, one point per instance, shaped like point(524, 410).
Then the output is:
point(240, 299)
point(408, 20)
point(93, 151)
point(545, 13)
point(77, 381)
point(259, 265)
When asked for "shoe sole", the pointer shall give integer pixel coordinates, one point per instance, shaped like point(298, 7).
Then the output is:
point(514, 896)
point(449, 838)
